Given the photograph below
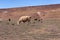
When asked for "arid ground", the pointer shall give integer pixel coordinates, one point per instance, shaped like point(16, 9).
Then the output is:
point(46, 29)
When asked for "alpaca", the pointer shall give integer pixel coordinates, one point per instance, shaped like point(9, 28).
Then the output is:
point(41, 18)
point(24, 19)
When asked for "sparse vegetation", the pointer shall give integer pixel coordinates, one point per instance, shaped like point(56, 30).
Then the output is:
point(49, 29)
point(9, 19)
point(35, 19)
point(33, 30)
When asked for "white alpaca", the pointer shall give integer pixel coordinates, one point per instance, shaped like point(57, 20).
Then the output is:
point(39, 13)
point(24, 19)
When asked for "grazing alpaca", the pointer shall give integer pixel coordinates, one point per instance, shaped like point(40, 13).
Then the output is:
point(41, 18)
point(24, 19)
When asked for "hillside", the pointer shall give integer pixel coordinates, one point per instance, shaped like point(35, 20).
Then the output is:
point(15, 13)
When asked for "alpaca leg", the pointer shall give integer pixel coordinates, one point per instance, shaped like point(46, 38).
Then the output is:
point(41, 20)
point(18, 22)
